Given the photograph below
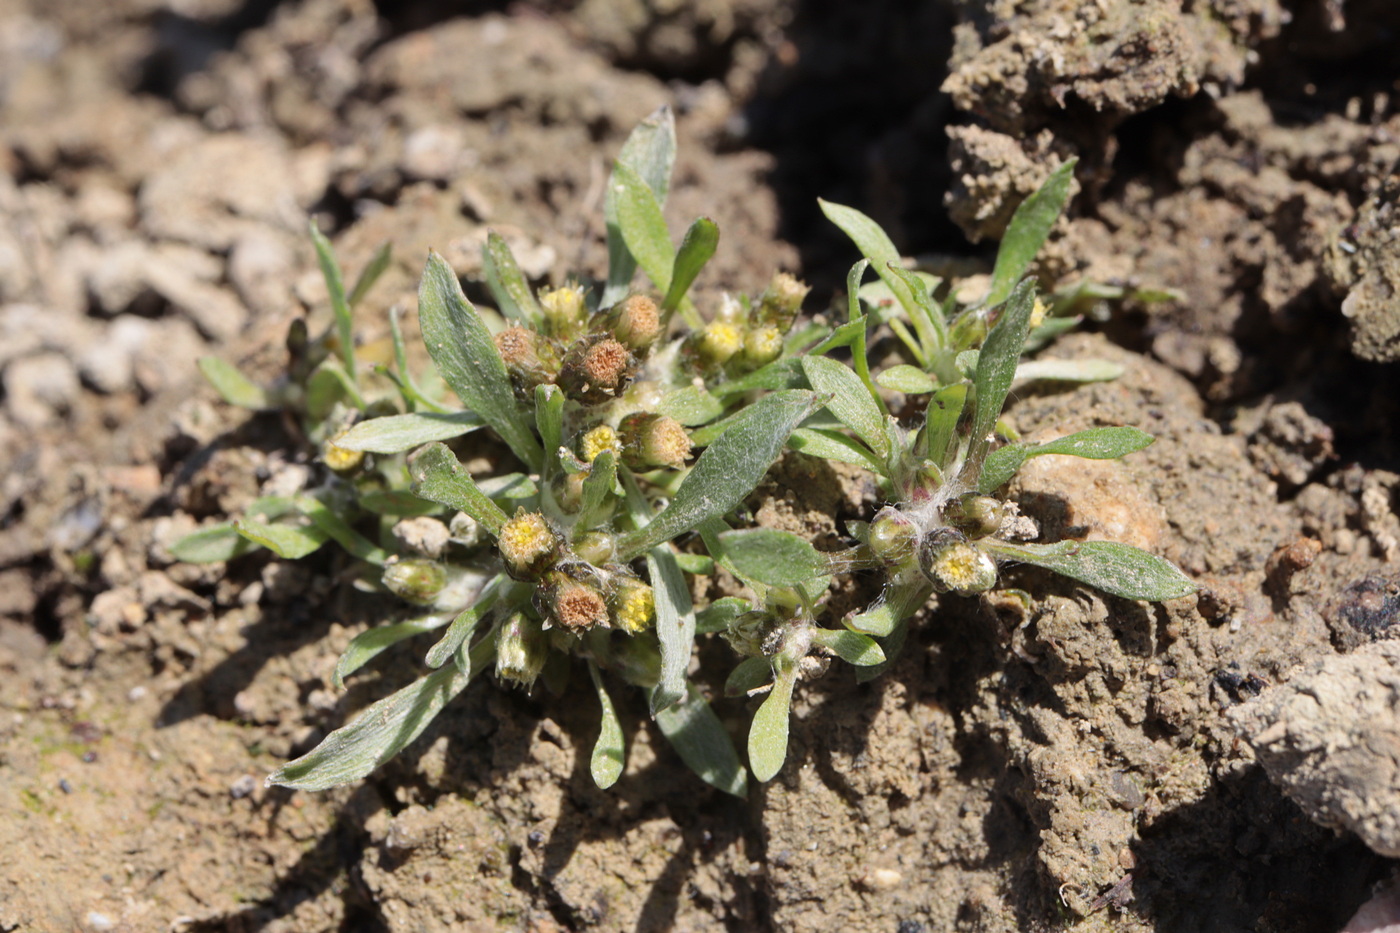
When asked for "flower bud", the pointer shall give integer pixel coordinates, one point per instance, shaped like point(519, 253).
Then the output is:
point(748, 632)
point(1038, 313)
point(975, 516)
point(596, 370)
point(595, 547)
point(521, 649)
point(925, 483)
point(516, 345)
point(597, 440)
point(894, 537)
point(338, 458)
point(717, 343)
point(520, 350)
point(637, 323)
point(573, 604)
point(953, 565)
point(568, 490)
point(417, 580)
point(762, 345)
point(633, 605)
point(650, 441)
point(527, 545)
point(564, 310)
point(782, 301)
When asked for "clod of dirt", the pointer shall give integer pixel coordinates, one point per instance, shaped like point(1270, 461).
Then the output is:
point(1367, 610)
point(220, 187)
point(993, 173)
point(1330, 739)
point(456, 846)
point(1017, 65)
point(1291, 445)
point(1363, 263)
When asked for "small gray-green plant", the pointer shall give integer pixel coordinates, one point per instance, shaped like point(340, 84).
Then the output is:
point(950, 525)
point(568, 559)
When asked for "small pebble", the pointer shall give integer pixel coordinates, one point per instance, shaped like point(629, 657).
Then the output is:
point(243, 787)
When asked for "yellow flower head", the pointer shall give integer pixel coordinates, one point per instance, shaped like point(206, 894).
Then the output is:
point(527, 544)
point(634, 606)
point(598, 440)
point(718, 342)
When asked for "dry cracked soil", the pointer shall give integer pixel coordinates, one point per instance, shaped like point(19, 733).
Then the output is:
point(1225, 762)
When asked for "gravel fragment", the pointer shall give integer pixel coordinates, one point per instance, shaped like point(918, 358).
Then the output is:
point(1330, 739)
point(40, 389)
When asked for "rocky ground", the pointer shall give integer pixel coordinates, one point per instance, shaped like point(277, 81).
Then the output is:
point(1223, 762)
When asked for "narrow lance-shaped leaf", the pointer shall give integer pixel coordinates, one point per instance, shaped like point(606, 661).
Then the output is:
point(945, 407)
point(728, 470)
point(891, 645)
point(549, 417)
point(847, 335)
point(371, 643)
point(381, 731)
point(875, 244)
point(369, 275)
point(928, 319)
point(690, 405)
point(899, 602)
point(767, 555)
point(399, 503)
point(748, 676)
point(465, 355)
point(1026, 233)
point(233, 387)
point(329, 521)
point(643, 226)
point(697, 247)
point(508, 486)
point(996, 368)
point(785, 373)
point(698, 736)
point(610, 750)
point(465, 624)
point(768, 733)
point(1067, 370)
point(597, 489)
point(717, 615)
point(327, 385)
point(851, 647)
point(675, 626)
point(853, 289)
point(413, 396)
point(833, 445)
point(911, 380)
point(849, 401)
point(507, 284)
point(650, 151)
point(212, 544)
point(1091, 444)
point(438, 475)
point(291, 542)
point(335, 286)
point(1114, 568)
point(395, 434)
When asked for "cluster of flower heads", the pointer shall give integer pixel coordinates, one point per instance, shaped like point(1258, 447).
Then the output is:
point(613, 367)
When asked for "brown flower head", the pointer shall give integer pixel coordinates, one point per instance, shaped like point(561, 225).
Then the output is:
point(595, 371)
